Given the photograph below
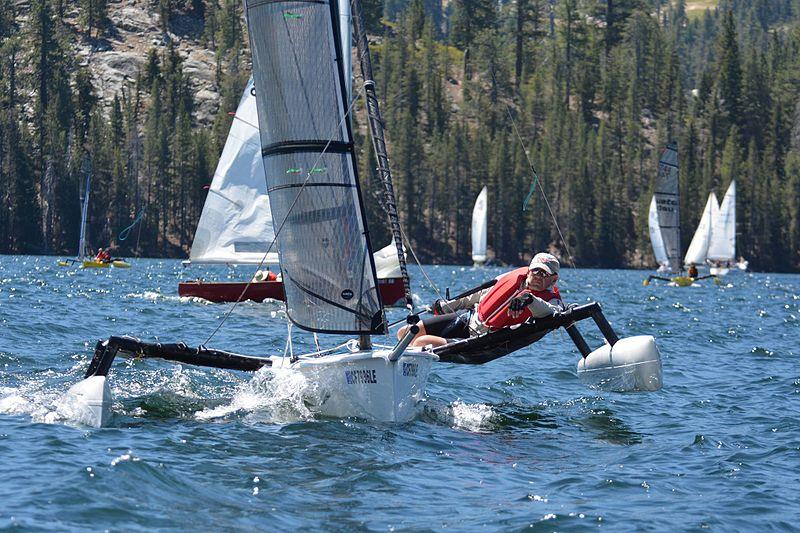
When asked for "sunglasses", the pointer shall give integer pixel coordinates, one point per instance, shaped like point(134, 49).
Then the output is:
point(540, 273)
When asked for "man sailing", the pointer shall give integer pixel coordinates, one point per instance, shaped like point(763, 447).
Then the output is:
point(516, 297)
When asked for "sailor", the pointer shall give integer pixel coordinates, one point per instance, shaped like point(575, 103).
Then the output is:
point(692, 272)
point(102, 256)
point(518, 296)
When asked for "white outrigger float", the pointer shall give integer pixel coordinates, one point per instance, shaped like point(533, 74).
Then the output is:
point(325, 254)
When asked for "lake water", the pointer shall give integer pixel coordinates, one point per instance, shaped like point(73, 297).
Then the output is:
point(515, 443)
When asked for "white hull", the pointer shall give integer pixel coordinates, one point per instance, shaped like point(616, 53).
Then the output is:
point(632, 364)
point(366, 384)
point(88, 402)
point(718, 271)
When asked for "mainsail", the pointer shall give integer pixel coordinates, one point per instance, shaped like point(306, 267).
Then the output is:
point(479, 228)
point(309, 160)
point(668, 206)
point(723, 239)
point(703, 237)
point(236, 224)
point(87, 170)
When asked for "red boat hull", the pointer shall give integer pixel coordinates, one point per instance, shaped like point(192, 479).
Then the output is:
point(258, 291)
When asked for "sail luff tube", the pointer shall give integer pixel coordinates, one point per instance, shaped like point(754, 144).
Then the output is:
point(379, 144)
point(309, 161)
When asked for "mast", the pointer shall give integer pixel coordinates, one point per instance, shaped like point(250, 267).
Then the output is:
point(86, 168)
point(379, 145)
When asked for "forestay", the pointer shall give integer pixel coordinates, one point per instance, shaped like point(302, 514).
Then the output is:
point(668, 206)
point(307, 149)
point(723, 240)
point(479, 228)
point(698, 248)
point(236, 223)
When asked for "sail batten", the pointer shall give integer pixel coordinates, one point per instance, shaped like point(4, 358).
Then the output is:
point(309, 160)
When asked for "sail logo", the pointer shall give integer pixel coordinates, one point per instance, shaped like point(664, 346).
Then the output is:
point(666, 204)
point(410, 369)
point(355, 377)
point(347, 294)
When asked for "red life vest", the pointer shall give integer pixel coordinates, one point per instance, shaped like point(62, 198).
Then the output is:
point(493, 308)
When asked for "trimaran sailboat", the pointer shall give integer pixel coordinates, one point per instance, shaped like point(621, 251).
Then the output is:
point(664, 221)
point(235, 227)
point(84, 259)
point(324, 249)
point(479, 228)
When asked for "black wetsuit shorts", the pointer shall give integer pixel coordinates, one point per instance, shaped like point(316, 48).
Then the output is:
point(449, 326)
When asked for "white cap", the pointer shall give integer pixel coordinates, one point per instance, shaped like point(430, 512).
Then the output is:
point(546, 262)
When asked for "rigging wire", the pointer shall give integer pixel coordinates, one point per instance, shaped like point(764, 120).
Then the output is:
point(288, 212)
point(536, 179)
point(125, 233)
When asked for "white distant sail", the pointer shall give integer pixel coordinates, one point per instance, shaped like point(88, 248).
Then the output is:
point(479, 228)
point(723, 234)
point(236, 223)
point(655, 237)
point(698, 249)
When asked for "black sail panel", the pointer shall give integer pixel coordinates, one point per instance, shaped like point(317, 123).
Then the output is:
point(668, 205)
point(326, 261)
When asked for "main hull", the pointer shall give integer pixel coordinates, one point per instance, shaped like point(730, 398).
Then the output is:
point(367, 384)
point(391, 289)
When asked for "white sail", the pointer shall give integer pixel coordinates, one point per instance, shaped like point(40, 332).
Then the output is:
point(479, 228)
point(655, 237)
point(723, 235)
point(698, 248)
point(236, 224)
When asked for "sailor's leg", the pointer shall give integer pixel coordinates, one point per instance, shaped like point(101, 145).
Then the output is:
point(425, 340)
point(402, 331)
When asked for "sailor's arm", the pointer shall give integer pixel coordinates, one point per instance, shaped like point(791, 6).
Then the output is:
point(467, 302)
point(538, 307)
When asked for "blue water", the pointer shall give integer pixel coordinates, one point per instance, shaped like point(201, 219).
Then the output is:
point(515, 443)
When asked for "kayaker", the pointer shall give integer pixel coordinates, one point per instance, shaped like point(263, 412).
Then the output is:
point(692, 272)
point(518, 296)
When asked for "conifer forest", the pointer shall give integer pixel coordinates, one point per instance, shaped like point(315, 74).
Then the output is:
point(575, 98)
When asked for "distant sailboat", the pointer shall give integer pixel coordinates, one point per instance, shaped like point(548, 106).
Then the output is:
point(722, 250)
point(665, 226)
point(479, 229)
point(235, 227)
point(83, 258)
